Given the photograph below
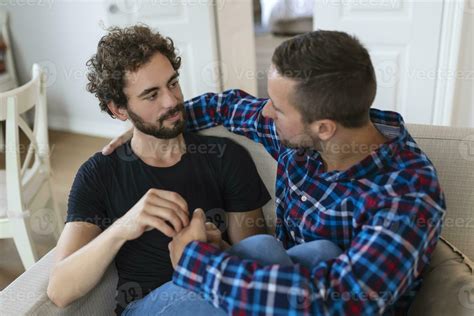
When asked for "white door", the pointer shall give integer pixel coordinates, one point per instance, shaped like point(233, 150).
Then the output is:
point(190, 24)
point(403, 38)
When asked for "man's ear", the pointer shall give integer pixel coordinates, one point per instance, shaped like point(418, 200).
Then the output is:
point(120, 113)
point(324, 129)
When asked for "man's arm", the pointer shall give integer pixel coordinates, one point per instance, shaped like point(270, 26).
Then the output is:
point(83, 254)
point(245, 224)
point(381, 264)
point(238, 111)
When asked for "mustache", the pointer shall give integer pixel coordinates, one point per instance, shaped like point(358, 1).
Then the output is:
point(172, 112)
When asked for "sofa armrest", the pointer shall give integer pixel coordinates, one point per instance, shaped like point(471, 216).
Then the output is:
point(27, 294)
point(448, 284)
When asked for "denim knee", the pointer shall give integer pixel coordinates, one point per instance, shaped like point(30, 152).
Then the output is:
point(265, 249)
point(261, 239)
point(313, 252)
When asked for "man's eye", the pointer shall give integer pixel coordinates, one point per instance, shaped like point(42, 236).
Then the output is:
point(174, 84)
point(151, 97)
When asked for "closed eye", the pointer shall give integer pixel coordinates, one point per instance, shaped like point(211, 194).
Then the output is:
point(152, 96)
point(275, 108)
point(174, 84)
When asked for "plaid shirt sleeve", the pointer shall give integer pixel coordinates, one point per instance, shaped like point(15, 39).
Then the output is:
point(238, 111)
point(382, 263)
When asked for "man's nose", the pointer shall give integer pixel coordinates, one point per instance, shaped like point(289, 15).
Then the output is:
point(169, 100)
point(268, 110)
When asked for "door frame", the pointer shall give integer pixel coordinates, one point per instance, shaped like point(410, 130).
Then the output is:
point(448, 61)
point(236, 45)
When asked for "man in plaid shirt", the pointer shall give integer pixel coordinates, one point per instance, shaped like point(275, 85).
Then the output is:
point(349, 177)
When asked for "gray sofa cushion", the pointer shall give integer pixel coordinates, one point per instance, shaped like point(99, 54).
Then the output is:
point(452, 152)
point(448, 284)
point(27, 294)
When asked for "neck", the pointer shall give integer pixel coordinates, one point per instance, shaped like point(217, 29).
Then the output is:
point(158, 152)
point(350, 147)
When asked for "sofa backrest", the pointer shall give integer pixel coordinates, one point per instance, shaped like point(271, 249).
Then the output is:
point(450, 149)
point(452, 152)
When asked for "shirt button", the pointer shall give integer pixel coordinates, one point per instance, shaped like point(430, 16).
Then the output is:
point(304, 198)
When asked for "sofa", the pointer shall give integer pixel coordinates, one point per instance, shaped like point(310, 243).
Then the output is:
point(448, 286)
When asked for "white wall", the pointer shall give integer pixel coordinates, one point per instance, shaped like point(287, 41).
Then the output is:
point(463, 114)
point(62, 35)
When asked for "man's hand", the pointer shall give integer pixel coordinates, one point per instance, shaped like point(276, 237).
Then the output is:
point(214, 237)
point(195, 231)
point(155, 210)
point(117, 142)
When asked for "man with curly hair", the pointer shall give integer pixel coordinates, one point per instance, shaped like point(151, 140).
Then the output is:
point(127, 206)
point(349, 178)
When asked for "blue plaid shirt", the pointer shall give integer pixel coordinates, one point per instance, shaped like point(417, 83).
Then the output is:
point(385, 213)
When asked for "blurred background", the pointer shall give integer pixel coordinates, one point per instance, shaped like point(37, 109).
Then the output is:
point(422, 49)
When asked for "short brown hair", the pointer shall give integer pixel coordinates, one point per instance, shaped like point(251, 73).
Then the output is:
point(122, 50)
point(336, 79)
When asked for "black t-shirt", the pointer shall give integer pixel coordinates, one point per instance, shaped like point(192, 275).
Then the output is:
point(215, 174)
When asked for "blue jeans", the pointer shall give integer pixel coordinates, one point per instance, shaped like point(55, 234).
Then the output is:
point(170, 299)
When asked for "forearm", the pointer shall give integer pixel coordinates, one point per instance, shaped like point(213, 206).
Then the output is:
point(238, 112)
point(213, 109)
point(246, 224)
point(77, 274)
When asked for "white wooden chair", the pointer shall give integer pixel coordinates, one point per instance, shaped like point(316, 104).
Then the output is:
point(25, 186)
point(8, 79)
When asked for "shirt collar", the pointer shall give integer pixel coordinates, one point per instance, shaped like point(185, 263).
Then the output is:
point(392, 125)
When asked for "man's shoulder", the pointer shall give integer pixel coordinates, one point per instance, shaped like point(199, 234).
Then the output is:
point(412, 159)
point(100, 163)
point(410, 174)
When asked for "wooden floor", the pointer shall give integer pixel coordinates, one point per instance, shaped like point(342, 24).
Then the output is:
point(68, 152)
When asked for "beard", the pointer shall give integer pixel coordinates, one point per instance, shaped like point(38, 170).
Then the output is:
point(303, 142)
point(158, 130)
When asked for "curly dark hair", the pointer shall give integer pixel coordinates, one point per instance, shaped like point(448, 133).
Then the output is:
point(122, 50)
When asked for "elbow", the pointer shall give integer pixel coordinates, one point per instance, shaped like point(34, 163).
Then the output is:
point(55, 296)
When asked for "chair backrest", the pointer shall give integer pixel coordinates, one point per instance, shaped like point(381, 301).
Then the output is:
point(9, 62)
point(21, 174)
point(450, 149)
